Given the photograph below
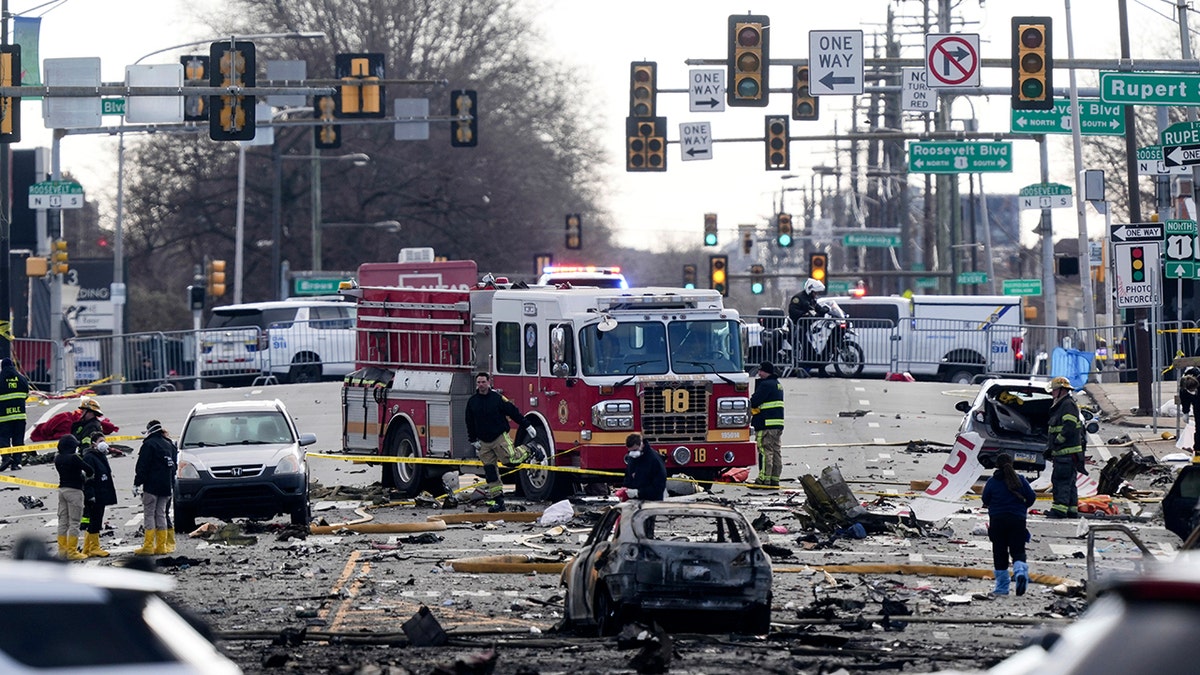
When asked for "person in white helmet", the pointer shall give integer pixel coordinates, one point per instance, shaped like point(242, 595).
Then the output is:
point(802, 309)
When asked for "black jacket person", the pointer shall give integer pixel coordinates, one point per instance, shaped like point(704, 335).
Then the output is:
point(645, 470)
point(487, 416)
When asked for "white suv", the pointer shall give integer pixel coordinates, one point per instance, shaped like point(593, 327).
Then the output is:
point(292, 340)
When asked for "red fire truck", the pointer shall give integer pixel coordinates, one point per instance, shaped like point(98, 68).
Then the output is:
point(587, 366)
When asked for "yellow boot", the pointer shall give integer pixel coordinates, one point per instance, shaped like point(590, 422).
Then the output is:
point(170, 540)
point(62, 546)
point(91, 546)
point(160, 542)
point(73, 549)
point(147, 547)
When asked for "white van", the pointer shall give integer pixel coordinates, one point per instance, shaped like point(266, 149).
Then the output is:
point(947, 337)
point(297, 340)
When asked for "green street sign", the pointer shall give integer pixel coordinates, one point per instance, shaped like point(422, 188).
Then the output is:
point(316, 286)
point(968, 278)
point(926, 282)
point(871, 240)
point(960, 157)
point(56, 187)
point(837, 287)
point(112, 106)
point(1096, 118)
point(1180, 133)
point(1150, 88)
point(1181, 269)
point(1022, 286)
point(1181, 227)
point(1044, 196)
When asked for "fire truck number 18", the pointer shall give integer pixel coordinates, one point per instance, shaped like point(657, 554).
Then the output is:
point(675, 400)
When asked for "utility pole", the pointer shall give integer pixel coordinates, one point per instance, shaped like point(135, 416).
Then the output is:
point(6, 218)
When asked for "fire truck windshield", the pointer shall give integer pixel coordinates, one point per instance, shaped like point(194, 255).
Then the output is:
point(641, 348)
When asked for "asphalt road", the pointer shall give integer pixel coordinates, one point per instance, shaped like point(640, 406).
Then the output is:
point(355, 590)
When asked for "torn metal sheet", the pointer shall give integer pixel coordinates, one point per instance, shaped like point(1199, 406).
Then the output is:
point(961, 470)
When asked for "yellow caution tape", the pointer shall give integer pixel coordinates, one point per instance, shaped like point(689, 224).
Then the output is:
point(5, 478)
point(53, 445)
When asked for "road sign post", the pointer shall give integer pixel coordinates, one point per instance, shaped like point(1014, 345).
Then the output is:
point(835, 62)
point(960, 157)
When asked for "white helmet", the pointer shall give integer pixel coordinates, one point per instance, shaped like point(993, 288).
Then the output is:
point(812, 286)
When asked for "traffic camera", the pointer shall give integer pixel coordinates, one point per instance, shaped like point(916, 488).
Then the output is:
point(216, 278)
point(710, 229)
point(748, 60)
point(231, 118)
point(805, 106)
point(464, 107)
point(1032, 64)
point(10, 106)
point(646, 144)
point(574, 236)
point(778, 140)
point(59, 257)
point(784, 230)
point(195, 74)
point(817, 264)
point(360, 94)
point(756, 279)
point(689, 276)
point(718, 266)
point(643, 88)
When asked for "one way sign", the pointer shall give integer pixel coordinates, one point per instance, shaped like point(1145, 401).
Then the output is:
point(1181, 155)
point(835, 62)
point(1136, 232)
point(695, 141)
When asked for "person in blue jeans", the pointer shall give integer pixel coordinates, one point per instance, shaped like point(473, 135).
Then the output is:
point(1008, 496)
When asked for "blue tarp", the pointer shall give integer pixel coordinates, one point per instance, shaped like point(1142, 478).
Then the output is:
point(1071, 364)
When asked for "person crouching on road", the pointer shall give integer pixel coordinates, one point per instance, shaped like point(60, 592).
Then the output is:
point(72, 472)
point(645, 471)
point(487, 416)
point(766, 410)
point(154, 475)
point(1065, 449)
point(98, 493)
point(1008, 496)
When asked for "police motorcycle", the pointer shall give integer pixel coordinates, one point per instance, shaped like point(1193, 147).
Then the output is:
point(814, 344)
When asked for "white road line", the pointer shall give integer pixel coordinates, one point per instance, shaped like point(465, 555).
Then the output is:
point(878, 440)
point(863, 401)
point(873, 425)
point(860, 389)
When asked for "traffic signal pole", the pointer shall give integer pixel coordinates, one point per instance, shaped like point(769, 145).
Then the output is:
point(5, 219)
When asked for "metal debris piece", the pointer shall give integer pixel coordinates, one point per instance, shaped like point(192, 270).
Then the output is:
point(423, 630)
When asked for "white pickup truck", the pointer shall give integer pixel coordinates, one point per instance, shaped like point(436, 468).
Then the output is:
point(946, 337)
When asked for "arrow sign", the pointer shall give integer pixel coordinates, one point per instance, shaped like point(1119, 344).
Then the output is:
point(835, 62)
point(695, 140)
point(1135, 232)
point(1181, 155)
point(952, 61)
point(830, 80)
point(706, 90)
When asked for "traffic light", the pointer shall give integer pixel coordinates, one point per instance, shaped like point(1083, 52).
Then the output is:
point(805, 106)
point(646, 144)
point(643, 88)
point(10, 106)
point(464, 107)
point(216, 278)
point(749, 57)
point(778, 140)
point(59, 258)
point(756, 279)
point(359, 94)
point(231, 118)
point(784, 230)
point(328, 134)
point(196, 297)
point(718, 266)
point(195, 74)
point(689, 276)
point(710, 229)
point(540, 262)
point(747, 243)
point(1032, 64)
point(1137, 256)
point(817, 264)
point(574, 231)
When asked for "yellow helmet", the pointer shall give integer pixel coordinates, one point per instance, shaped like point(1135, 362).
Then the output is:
point(90, 404)
point(1059, 383)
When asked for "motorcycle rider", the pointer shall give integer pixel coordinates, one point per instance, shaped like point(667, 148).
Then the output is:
point(802, 308)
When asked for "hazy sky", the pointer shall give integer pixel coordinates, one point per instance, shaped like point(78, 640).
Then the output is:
point(600, 39)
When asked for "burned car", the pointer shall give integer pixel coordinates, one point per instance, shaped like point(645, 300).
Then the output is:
point(1012, 415)
point(682, 564)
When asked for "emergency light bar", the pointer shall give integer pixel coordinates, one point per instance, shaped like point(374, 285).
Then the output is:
point(559, 269)
point(647, 300)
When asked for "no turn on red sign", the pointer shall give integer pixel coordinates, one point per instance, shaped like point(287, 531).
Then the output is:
point(952, 61)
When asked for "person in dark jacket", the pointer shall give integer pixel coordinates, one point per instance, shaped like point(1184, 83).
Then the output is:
point(766, 418)
point(72, 472)
point(89, 421)
point(98, 493)
point(1008, 496)
point(645, 471)
point(803, 308)
point(14, 389)
point(1189, 401)
point(154, 475)
point(487, 416)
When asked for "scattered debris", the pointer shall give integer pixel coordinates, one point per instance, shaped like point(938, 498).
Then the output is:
point(557, 513)
point(852, 413)
point(423, 630)
point(479, 664)
point(30, 502)
point(656, 654)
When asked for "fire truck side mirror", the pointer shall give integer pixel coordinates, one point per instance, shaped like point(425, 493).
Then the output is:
point(558, 366)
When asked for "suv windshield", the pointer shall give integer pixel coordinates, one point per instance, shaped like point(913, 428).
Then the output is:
point(251, 318)
point(237, 428)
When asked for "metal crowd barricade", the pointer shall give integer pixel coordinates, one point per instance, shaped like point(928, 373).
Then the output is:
point(1039, 343)
point(232, 355)
point(789, 347)
point(1113, 349)
point(307, 351)
point(957, 348)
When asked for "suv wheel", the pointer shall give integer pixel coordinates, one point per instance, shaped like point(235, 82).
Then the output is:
point(306, 370)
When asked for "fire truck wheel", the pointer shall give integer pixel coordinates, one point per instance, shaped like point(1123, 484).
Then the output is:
point(541, 486)
point(405, 478)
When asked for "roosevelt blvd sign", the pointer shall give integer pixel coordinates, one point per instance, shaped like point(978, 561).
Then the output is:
point(960, 157)
point(56, 194)
point(1096, 118)
point(1045, 196)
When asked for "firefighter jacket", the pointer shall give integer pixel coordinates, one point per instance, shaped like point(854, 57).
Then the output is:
point(14, 389)
point(84, 428)
point(1065, 428)
point(486, 416)
point(766, 405)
